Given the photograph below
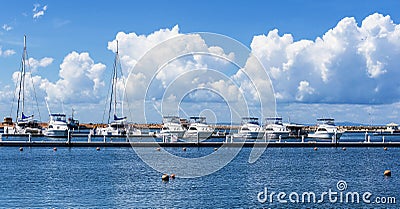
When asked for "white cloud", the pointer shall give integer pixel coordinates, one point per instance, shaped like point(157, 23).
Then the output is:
point(348, 64)
point(80, 80)
point(44, 62)
point(37, 11)
point(7, 27)
point(6, 53)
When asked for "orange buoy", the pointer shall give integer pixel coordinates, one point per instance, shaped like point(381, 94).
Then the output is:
point(344, 148)
point(315, 148)
point(158, 149)
point(172, 176)
point(21, 149)
point(184, 149)
point(215, 149)
point(98, 148)
point(55, 148)
point(385, 148)
point(165, 177)
point(387, 173)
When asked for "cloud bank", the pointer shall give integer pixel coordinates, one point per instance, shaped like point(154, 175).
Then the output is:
point(350, 63)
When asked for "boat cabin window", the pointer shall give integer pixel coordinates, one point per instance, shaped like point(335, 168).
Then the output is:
point(322, 129)
point(193, 128)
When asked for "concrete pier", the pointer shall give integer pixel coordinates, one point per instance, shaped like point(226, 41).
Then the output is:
point(195, 144)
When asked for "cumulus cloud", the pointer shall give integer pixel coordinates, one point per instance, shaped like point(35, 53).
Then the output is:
point(80, 80)
point(350, 63)
point(38, 11)
point(44, 62)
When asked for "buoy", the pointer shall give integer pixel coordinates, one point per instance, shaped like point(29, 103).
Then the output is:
point(98, 148)
point(55, 148)
point(172, 176)
point(385, 148)
point(387, 173)
point(21, 149)
point(344, 148)
point(165, 177)
point(315, 148)
point(215, 149)
point(158, 149)
point(184, 149)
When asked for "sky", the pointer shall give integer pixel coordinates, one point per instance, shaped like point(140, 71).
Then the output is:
point(335, 59)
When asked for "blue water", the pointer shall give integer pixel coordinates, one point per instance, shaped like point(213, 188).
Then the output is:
point(117, 177)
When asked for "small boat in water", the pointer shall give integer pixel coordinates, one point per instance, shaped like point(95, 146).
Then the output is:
point(326, 129)
point(250, 129)
point(274, 128)
point(172, 126)
point(198, 129)
point(58, 126)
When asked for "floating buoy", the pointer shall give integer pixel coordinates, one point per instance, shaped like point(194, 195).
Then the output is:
point(165, 177)
point(184, 149)
point(172, 176)
point(55, 148)
point(158, 149)
point(215, 149)
point(344, 148)
point(98, 148)
point(387, 173)
point(21, 149)
point(315, 148)
point(385, 148)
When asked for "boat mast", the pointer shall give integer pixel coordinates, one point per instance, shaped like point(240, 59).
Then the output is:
point(115, 81)
point(21, 92)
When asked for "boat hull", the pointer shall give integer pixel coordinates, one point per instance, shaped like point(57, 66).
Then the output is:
point(328, 136)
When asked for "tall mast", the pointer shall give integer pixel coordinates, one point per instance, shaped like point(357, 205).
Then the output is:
point(21, 92)
point(115, 80)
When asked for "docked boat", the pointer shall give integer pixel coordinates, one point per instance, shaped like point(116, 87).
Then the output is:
point(25, 124)
point(391, 129)
point(118, 126)
point(172, 126)
point(58, 126)
point(326, 129)
point(198, 129)
point(250, 129)
point(274, 128)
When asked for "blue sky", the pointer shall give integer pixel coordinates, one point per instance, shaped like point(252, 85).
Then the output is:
point(64, 27)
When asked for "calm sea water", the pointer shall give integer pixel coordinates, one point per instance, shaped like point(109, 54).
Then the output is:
point(118, 178)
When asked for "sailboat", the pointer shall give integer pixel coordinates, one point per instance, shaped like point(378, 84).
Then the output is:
point(118, 126)
point(25, 124)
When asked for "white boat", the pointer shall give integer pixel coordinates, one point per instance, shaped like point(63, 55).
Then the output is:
point(58, 126)
point(172, 126)
point(119, 125)
point(198, 129)
point(25, 124)
point(274, 128)
point(250, 129)
point(326, 129)
point(391, 129)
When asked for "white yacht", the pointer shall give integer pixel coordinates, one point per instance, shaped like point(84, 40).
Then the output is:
point(58, 126)
point(250, 129)
point(198, 128)
point(117, 127)
point(326, 129)
point(274, 128)
point(172, 126)
point(391, 129)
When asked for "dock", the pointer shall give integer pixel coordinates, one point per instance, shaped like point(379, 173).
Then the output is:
point(194, 144)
